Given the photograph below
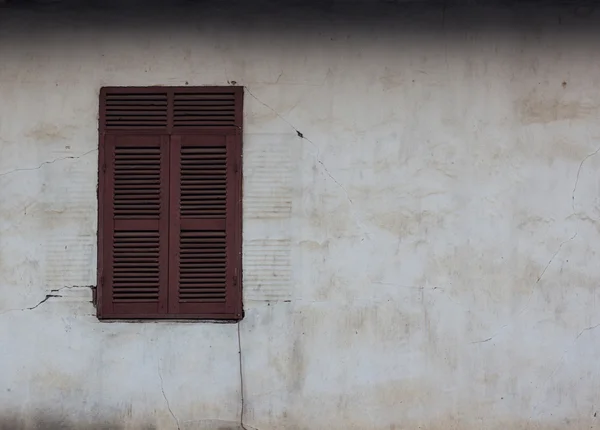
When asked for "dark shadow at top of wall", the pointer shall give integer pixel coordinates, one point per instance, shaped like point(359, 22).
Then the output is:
point(19, 17)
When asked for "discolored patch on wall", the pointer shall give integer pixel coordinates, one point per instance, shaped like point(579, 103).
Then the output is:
point(313, 245)
point(511, 276)
point(489, 423)
point(412, 399)
point(538, 110)
point(530, 145)
point(404, 223)
point(529, 223)
point(56, 421)
point(51, 132)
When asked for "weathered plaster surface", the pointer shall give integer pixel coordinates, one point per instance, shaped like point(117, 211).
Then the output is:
point(421, 229)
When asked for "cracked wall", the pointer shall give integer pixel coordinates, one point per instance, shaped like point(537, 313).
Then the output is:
point(421, 218)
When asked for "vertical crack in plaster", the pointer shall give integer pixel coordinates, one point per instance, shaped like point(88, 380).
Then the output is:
point(162, 389)
point(561, 362)
point(317, 158)
point(242, 399)
point(586, 329)
point(553, 257)
point(70, 157)
point(592, 327)
point(524, 308)
point(577, 179)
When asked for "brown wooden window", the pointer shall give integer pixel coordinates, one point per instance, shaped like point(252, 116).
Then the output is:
point(169, 223)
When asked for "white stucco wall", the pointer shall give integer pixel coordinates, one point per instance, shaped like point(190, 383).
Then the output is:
point(427, 257)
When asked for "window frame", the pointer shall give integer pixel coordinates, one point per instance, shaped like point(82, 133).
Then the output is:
point(234, 133)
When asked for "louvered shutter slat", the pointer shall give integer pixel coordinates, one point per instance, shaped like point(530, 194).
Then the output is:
point(136, 111)
point(198, 110)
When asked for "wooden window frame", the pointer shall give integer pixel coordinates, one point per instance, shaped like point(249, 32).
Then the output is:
point(234, 138)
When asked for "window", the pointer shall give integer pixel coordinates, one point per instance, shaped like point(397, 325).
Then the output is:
point(169, 199)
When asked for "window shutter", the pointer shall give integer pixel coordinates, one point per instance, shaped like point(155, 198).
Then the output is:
point(204, 268)
point(169, 242)
point(135, 225)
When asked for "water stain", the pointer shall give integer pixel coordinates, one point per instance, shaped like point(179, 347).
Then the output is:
point(44, 131)
point(537, 110)
point(408, 223)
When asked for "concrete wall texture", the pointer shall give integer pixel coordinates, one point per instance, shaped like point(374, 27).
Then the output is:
point(425, 257)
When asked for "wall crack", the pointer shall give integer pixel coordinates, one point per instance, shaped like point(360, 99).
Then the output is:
point(593, 327)
point(50, 295)
point(531, 294)
point(162, 389)
point(577, 178)
point(587, 329)
point(242, 399)
point(44, 300)
point(562, 359)
point(26, 169)
point(484, 340)
point(554, 256)
point(317, 158)
point(41, 302)
point(302, 136)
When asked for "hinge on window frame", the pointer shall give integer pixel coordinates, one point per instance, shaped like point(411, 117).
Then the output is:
point(235, 277)
point(103, 167)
